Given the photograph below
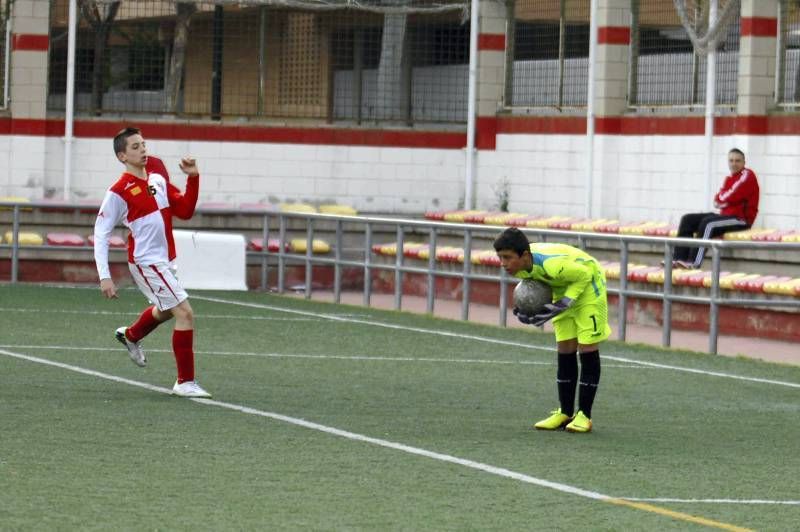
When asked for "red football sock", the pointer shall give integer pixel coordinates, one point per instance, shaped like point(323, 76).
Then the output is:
point(184, 354)
point(143, 326)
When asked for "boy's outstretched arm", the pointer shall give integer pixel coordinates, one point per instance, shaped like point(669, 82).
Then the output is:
point(183, 205)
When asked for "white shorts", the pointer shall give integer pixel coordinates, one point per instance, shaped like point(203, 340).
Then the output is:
point(159, 284)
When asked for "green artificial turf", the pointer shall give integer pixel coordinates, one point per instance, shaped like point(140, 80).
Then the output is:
point(81, 451)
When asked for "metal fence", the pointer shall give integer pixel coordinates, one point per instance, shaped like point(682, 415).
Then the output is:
point(788, 69)
point(548, 56)
point(276, 224)
point(548, 53)
point(665, 70)
point(332, 60)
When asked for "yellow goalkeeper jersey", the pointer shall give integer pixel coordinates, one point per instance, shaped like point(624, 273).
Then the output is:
point(568, 270)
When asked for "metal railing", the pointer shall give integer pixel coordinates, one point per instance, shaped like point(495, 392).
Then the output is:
point(435, 231)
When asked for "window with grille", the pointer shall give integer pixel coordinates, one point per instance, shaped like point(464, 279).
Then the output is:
point(548, 56)
point(788, 71)
point(204, 59)
point(665, 70)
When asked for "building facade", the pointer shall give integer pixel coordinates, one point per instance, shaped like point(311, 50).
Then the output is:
point(369, 108)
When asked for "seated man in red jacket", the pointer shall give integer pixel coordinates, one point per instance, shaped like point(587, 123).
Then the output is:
point(737, 202)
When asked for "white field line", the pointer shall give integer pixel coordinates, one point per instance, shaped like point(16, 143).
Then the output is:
point(322, 357)
point(109, 313)
point(712, 501)
point(322, 428)
point(334, 317)
point(499, 342)
point(471, 464)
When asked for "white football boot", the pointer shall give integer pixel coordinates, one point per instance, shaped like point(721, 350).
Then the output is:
point(189, 389)
point(135, 351)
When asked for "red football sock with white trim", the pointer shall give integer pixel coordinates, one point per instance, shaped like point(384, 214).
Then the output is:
point(182, 342)
point(143, 326)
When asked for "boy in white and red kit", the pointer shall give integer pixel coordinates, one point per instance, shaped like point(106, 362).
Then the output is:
point(144, 200)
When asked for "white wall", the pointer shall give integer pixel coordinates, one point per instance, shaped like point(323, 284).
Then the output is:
point(638, 177)
point(372, 179)
point(22, 165)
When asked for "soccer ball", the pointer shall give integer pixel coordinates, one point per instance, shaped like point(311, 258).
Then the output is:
point(531, 296)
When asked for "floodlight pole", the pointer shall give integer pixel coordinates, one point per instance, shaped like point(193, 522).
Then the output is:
point(711, 100)
point(590, 118)
point(469, 178)
point(69, 107)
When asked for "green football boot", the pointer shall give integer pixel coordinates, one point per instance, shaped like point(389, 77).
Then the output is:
point(556, 421)
point(580, 423)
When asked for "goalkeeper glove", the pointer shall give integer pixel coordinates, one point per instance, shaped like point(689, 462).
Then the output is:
point(552, 310)
point(522, 317)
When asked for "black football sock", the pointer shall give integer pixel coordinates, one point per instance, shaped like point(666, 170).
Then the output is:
point(567, 381)
point(590, 379)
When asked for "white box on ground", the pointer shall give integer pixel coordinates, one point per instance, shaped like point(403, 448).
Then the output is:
point(211, 261)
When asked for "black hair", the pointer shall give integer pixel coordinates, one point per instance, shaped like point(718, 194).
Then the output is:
point(513, 239)
point(736, 150)
point(121, 138)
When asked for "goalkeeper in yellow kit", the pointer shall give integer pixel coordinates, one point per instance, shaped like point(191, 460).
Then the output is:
point(579, 312)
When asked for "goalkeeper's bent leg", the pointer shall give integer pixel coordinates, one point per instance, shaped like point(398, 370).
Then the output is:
point(567, 380)
point(589, 381)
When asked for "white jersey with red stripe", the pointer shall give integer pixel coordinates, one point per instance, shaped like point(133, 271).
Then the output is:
point(144, 207)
